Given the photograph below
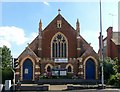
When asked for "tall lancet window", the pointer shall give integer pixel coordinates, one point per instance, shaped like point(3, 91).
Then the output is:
point(59, 46)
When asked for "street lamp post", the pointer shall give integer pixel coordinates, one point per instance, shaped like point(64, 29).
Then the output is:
point(14, 81)
point(101, 48)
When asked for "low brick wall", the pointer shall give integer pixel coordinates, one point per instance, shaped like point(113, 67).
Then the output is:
point(32, 88)
point(68, 81)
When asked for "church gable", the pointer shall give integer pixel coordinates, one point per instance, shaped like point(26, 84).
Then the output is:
point(58, 46)
point(31, 49)
point(27, 52)
point(59, 24)
point(76, 44)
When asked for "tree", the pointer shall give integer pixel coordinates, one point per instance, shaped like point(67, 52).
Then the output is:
point(111, 74)
point(6, 62)
point(6, 57)
point(108, 68)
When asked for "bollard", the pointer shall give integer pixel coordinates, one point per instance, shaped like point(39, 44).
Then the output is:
point(1, 87)
point(7, 85)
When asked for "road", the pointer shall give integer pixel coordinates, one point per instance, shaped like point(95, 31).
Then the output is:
point(89, 90)
point(62, 88)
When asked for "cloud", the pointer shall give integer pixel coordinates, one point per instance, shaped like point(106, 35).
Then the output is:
point(12, 34)
point(6, 43)
point(46, 3)
point(15, 35)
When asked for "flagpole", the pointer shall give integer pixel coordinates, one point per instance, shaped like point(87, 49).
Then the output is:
point(101, 48)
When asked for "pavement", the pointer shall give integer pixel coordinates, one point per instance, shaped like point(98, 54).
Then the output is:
point(58, 87)
point(62, 88)
point(85, 90)
point(89, 90)
point(96, 90)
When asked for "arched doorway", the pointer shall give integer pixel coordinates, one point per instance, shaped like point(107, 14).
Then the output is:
point(48, 69)
point(27, 70)
point(90, 69)
point(69, 69)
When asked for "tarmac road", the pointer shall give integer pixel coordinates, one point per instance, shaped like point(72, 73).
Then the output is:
point(62, 88)
point(90, 90)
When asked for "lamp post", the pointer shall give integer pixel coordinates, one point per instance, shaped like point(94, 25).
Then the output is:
point(101, 48)
point(13, 73)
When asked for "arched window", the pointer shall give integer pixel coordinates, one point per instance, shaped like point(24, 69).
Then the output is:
point(59, 46)
point(48, 69)
point(69, 69)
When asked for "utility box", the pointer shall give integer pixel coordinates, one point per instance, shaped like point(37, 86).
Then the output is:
point(7, 84)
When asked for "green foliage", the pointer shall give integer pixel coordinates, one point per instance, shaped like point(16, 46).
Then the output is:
point(7, 74)
point(69, 75)
point(111, 71)
point(0, 57)
point(0, 75)
point(112, 79)
point(115, 80)
point(108, 68)
point(6, 57)
point(6, 64)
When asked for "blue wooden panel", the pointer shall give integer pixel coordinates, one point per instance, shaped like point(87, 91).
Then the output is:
point(27, 70)
point(90, 69)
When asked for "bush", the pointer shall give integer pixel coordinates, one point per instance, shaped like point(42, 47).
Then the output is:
point(69, 75)
point(114, 80)
point(108, 68)
point(7, 74)
point(117, 79)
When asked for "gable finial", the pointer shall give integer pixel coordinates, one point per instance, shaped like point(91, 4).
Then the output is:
point(78, 27)
point(40, 27)
point(59, 11)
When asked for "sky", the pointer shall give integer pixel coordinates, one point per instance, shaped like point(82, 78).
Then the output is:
point(20, 20)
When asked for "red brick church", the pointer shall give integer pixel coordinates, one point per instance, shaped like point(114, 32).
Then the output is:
point(59, 50)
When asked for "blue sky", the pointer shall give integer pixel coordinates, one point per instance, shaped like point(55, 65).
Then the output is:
point(20, 20)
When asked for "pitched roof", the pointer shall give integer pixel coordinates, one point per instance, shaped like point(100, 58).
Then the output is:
point(116, 38)
point(28, 51)
point(34, 44)
point(59, 16)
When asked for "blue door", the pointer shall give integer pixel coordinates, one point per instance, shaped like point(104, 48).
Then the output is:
point(90, 69)
point(27, 70)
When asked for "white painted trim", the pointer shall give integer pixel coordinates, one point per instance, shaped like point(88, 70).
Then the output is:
point(78, 48)
point(39, 48)
point(81, 72)
point(16, 73)
point(78, 37)
point(37, 73)
point(81, 66)
point(36, 66)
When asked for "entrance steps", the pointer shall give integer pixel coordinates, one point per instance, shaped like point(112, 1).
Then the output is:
point(58, 87)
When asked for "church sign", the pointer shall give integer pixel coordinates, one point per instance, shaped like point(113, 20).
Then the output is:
point(61, 60)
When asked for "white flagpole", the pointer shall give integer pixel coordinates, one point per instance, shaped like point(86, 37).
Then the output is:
point(101, 49)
